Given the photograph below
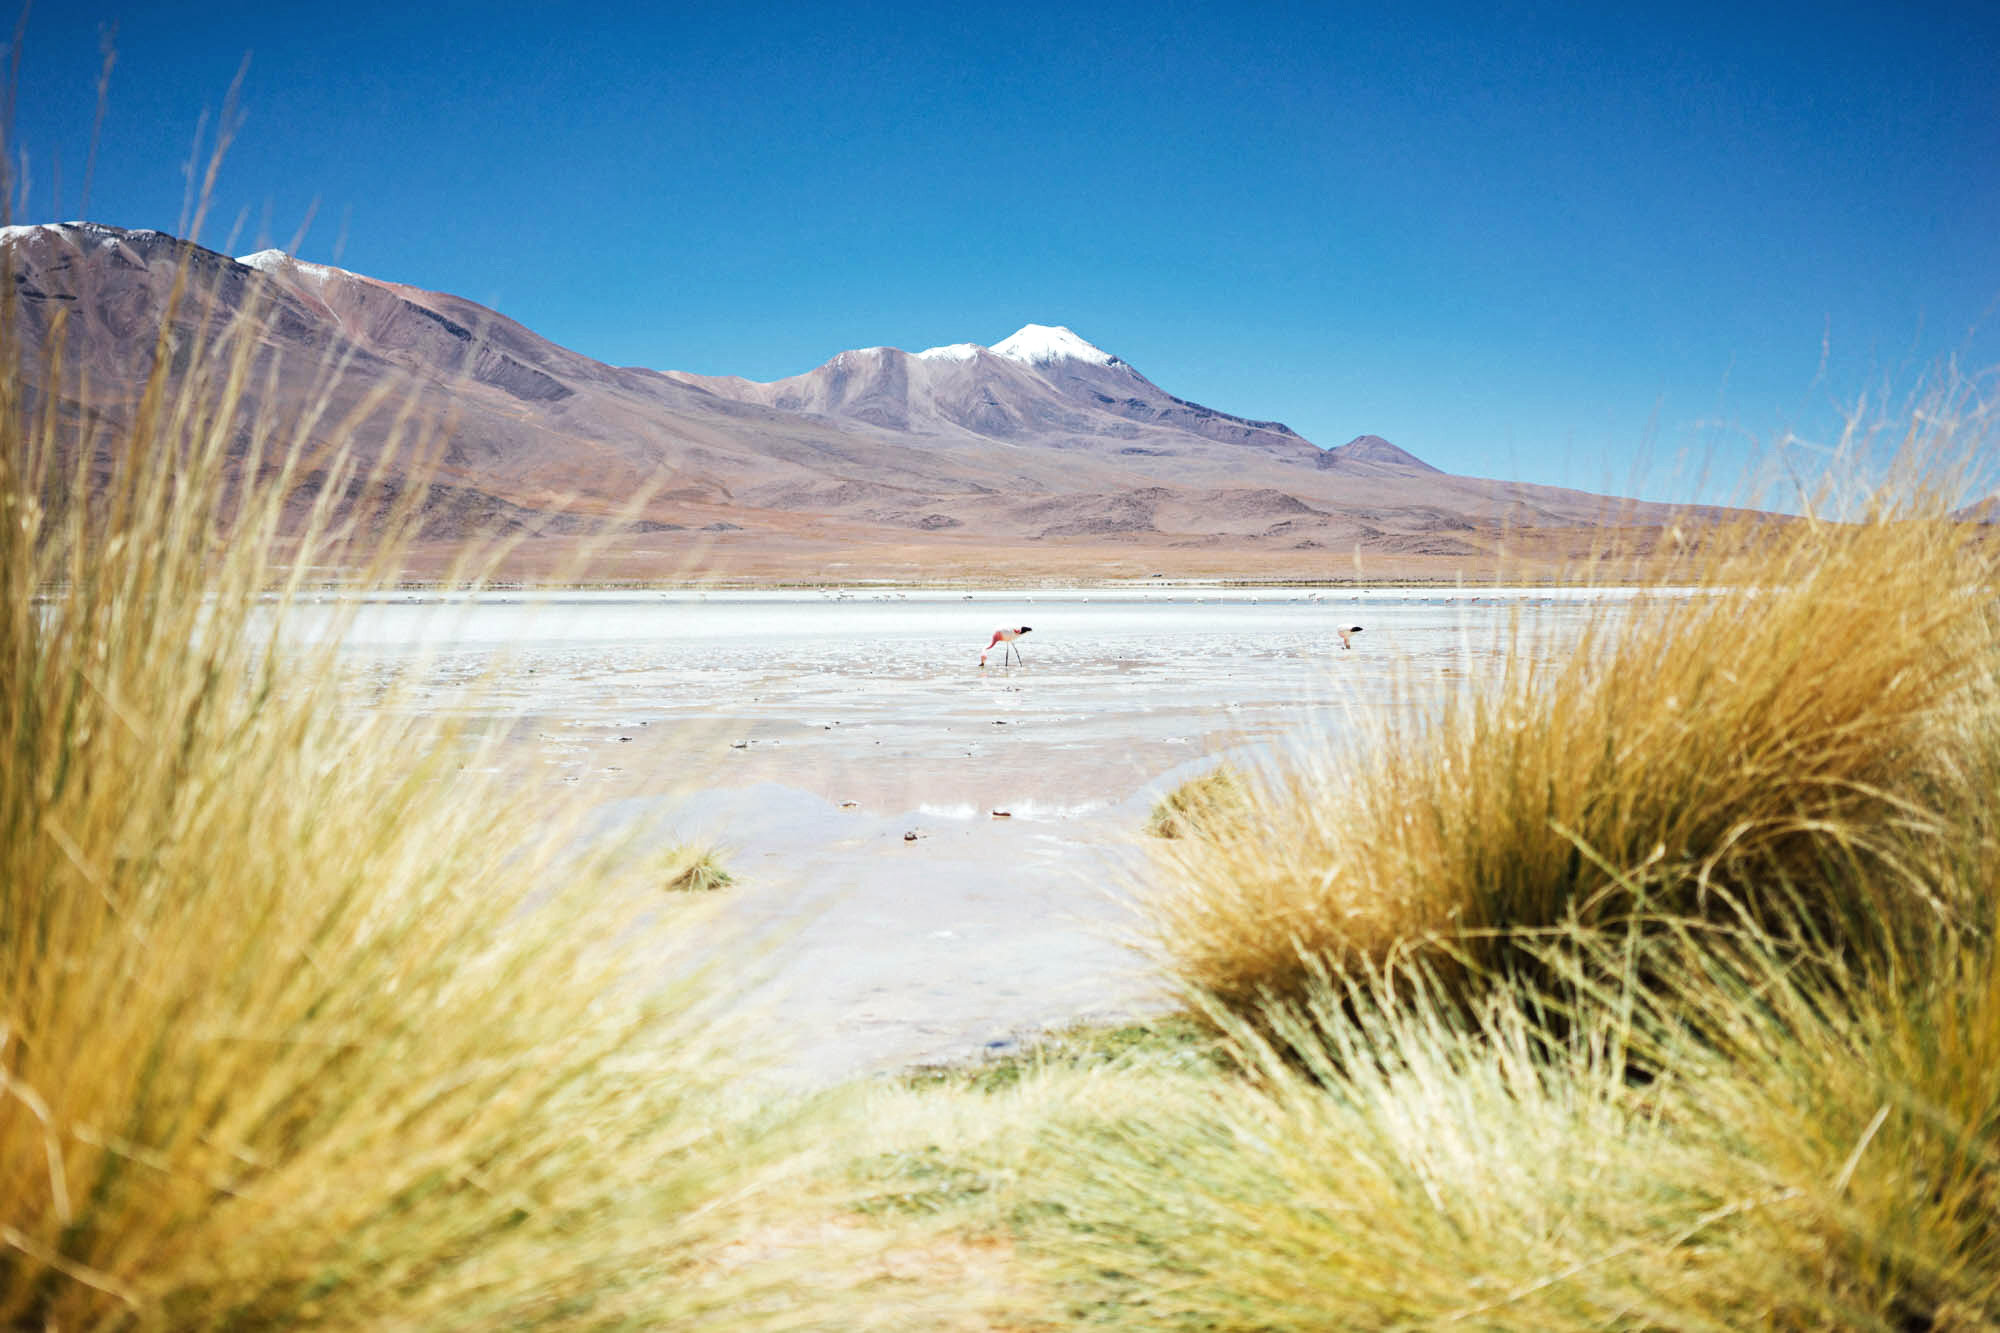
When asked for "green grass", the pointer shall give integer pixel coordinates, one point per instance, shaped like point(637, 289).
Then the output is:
point(1173, 1041)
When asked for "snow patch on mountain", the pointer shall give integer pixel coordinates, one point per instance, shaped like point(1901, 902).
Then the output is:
point(105, 235)
point(952, 352)
point(1041, 344)
point(277, 261)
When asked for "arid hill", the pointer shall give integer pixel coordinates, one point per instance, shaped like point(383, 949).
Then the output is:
point(1040, 456)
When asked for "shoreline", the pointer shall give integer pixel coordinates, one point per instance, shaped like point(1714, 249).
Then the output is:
point(972, 590)
point(947, 584)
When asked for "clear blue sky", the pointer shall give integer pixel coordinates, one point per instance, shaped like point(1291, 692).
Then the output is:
point(1536, 242)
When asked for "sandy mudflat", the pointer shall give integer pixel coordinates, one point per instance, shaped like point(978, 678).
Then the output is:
point(808, 733)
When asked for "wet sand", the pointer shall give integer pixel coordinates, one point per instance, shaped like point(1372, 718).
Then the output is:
point(807, 734)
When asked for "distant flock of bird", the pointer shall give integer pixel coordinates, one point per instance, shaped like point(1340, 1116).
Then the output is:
point(1003, 639)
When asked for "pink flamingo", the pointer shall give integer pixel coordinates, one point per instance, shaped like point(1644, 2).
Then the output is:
point(1342, 634)
point(1006, 638)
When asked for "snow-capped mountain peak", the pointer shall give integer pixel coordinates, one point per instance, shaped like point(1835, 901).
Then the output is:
point(1040, 344)
point(951, 352)
point(278, 261)
point(264, 260)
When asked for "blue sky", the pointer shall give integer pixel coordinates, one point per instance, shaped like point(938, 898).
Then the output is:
point(1536, 242)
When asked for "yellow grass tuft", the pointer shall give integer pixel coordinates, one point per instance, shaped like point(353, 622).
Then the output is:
point(301, 1022)
point(1191, 809)
point(1790, 735)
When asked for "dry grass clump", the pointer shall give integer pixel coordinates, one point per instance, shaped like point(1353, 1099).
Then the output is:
point(690, 869)
point(299, 1022)
point(1190, 809)
point(1785, 744)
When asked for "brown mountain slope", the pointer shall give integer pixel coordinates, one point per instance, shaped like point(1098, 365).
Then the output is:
point(1042, 386)
point(1038, 453)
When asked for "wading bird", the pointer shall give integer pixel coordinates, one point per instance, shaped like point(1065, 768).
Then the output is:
point(1005, 638)
point(1342, 634)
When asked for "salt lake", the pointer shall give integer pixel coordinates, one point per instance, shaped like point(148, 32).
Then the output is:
point(809, 734)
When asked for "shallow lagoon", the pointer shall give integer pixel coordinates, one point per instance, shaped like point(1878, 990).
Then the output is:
point(809, 732)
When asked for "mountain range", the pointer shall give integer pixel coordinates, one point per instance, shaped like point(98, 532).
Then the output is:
point(1039, 453)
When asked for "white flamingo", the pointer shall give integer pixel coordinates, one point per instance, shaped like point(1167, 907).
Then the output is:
point(1342, 634)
